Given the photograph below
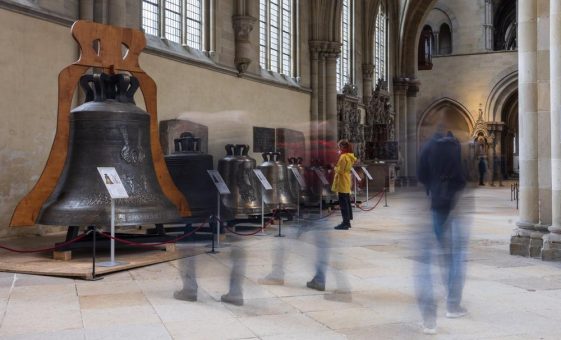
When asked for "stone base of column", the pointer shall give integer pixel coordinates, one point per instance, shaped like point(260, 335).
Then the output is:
point(520, 242)
point(551, 250)
point(406, 181)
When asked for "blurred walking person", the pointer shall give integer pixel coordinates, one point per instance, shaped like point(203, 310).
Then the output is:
point(441, 172)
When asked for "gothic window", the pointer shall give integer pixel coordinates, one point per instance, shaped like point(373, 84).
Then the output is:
point(505, 26)
point(425, 49)
point(180, 21)
point(445, 40)
point(276, 20)
point(381, 44)
point(344, 63)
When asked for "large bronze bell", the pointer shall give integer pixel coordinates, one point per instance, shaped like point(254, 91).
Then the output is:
point(108, 130)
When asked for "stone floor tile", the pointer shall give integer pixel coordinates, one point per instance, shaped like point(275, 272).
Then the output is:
point(74, 334)
point(112, 300)
point(210, 329)
point(282, 324)
point(119, 316)
point(150, 331)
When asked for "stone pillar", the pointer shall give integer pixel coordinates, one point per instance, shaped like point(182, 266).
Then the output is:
point(528, 123)
point(552, 242)
point(117, 13)
point(400, 90)
point(367, 83)
point(321, 107)
point(87, 10)
point(331, 127)
point(412, 117)
point(314, 107)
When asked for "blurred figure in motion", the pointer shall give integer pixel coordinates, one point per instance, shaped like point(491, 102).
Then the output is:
point(441, 172)
point(188, 271)
point(342, 182)
point(322, 242)
point(235, 294)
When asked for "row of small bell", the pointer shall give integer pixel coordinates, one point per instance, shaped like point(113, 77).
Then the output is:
point(188, 169)
point(305, 193)
point(276, 172)
point(236, 168)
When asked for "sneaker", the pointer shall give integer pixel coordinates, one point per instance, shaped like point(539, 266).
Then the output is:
point(316, 285)
point(185, 295)
point(232, 299)
point(456, 313)
point(271, 280)
point(429, 330)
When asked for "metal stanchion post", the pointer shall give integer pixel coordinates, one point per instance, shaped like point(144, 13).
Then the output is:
point(367, 194)
point(280, 223)
point(354, 184)
point(213, 250)
point(94, 232)
point(112, 262)
point(217, 220)
point(321, 203)
point(386, 197)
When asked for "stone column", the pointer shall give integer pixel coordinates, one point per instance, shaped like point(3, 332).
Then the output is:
point(314, 110)
point(321, 107)
point(400, 91)
point(412, 91)
point(331, 102)
point(117, 13)
point(528, 123)
point(552, 242)
point(367, 83)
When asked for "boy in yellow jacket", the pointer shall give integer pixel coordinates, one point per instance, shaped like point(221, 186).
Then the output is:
point(342, 182)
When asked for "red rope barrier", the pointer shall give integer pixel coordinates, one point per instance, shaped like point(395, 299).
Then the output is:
point(61, 245)
point(151, 245)
point(375, 205)
point(320, 218)
point(257, 231)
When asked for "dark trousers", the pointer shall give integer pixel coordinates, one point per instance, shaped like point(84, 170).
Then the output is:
point(481, 177)
point(346, 208)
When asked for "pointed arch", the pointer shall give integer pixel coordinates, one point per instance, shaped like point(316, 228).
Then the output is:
point(505, 85)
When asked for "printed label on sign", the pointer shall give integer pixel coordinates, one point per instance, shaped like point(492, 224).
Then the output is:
point(367, 173)
point(112, 182)
point(299, 178)
point(321, 176)
point(264, 182)
point(218, 182)
point(353, 171)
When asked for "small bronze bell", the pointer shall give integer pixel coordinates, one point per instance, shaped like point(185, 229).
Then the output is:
point(108, 130)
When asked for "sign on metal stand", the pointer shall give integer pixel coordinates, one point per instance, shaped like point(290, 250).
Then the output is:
point(302, 185)
point(266, 186)
point(116, 190)
point(368, 178)
point(356, 178)
point(221, 189)
point(324, 182)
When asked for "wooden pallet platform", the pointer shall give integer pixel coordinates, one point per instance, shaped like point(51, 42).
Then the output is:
point(80, 266)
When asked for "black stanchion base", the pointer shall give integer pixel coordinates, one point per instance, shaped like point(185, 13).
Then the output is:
point(97, 278)
point(281, 235)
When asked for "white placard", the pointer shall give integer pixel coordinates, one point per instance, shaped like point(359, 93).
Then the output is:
point(264, 182)
point(321, 176)
point(367, 173)
point(299, 177)
point(353, 171)
point(218, 182)
point(112, 182)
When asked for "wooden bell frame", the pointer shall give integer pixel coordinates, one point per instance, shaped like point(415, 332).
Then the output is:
point(107, 57)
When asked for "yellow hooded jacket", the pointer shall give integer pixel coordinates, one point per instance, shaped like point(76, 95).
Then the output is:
point(342, 178)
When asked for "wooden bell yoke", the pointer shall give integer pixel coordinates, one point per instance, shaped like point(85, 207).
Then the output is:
point(108, 57)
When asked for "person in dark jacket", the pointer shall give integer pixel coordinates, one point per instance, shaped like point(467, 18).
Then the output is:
point(482, 170)
point(441, 172)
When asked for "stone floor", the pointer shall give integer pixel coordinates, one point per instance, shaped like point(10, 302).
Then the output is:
point(507, 297)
